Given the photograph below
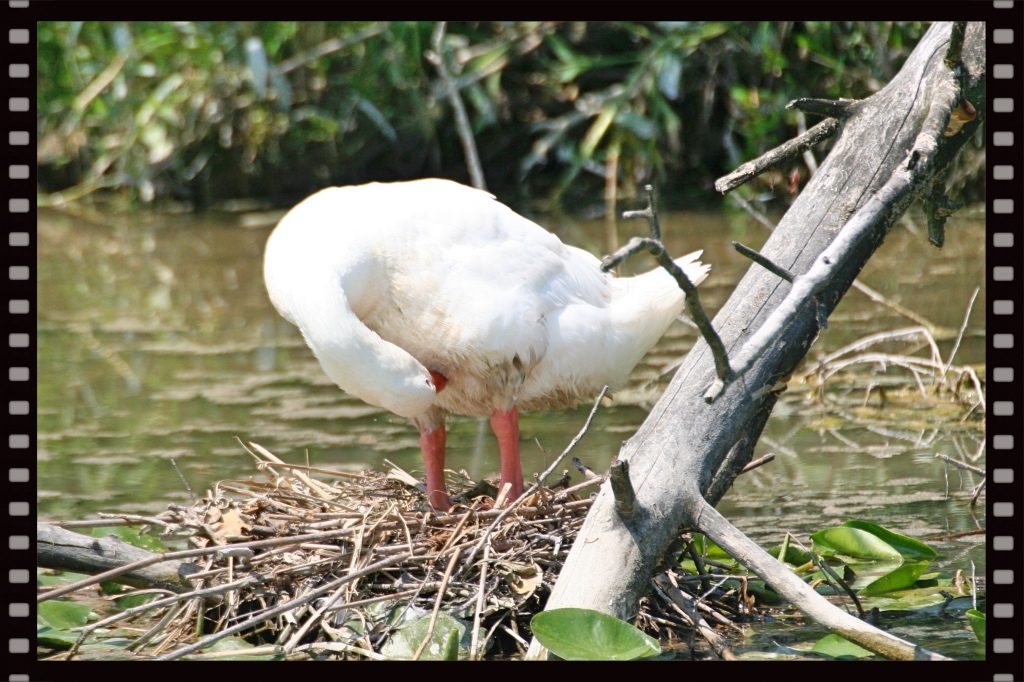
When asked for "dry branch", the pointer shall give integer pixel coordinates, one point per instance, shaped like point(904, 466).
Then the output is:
point(68, 551)
point(887, 150)
point(778, 156)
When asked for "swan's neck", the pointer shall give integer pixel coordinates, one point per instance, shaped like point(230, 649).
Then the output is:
point(354, 357)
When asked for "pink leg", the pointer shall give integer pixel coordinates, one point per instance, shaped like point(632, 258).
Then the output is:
point(432, 445)
point(505, 425)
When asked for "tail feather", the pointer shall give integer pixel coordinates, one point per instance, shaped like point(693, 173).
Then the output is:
point(644, 306)
point(658, 283)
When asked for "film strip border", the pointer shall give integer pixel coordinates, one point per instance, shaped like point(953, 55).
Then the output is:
point(1005, 332)
point(20, 257)
point(1005, 606)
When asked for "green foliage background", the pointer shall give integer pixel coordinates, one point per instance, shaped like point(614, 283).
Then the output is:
point(208, 111)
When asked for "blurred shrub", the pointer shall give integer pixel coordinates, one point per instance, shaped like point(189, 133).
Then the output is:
point(203, 112)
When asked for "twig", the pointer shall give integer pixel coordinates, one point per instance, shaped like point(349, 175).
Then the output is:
point(564, 494)
point(437, 605)
point(764, 262)
point(685, 607)
point(896, 307)
point(650, 213)
point(166, 601)
point(759, 462)
point(960, 465)
point(583, 468)
point(828, 571)
point(654, 246)
point(825, 266)
point(313, 484)
point(808, 154)
point(834, 108)
point(282, 608)
point(184, 481)
point(857, 284)
point(776, 157)
point(622, 489)
point(479, 600)
point(476, 173)
point(329, 46)
point(960, 334)
point(751, 211)
point(977, 491)
point(185, 554)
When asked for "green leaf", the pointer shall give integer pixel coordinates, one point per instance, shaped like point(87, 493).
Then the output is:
point(839, 647)
point(790, 554)
point(855, 543)
point(588, 635)
point(977, 620)
point(62, 615)
point(57, 639)
point(229, 644)
point(130, 535)
point(911, 549)
point(669, 75)
point(51, 579)
point(900, 579)
point(708, 548)
point(446, 640)
point(238, 649)
point(597, 130)
point(131, 600)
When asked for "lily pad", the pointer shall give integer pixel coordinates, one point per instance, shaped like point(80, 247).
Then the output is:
point(854, 543)
point(588, 635)
point(56, 639)
point(449, 637)
point(835, 646)
point(130, 535)
point(977, 620)
point(902, 578)
point(911, 549)
point(707, 548)
point(62, 615)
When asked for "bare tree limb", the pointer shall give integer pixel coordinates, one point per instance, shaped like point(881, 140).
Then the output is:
point(886, 152)
point(778, 156)
point(914, 171)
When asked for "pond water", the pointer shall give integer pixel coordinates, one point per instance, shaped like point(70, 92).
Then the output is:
point(157, 344)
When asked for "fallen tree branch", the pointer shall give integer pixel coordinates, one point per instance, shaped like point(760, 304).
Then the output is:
point(913, 172)
point(890, 145)
point(65, 550)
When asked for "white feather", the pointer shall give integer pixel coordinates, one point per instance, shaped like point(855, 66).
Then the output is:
point(390, 281)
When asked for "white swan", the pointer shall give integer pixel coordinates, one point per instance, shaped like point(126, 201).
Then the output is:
point(429, 297)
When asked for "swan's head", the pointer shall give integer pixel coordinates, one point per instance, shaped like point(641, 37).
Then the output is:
point(414, 395)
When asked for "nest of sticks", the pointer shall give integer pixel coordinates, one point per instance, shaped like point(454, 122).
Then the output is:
point(306, 562)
